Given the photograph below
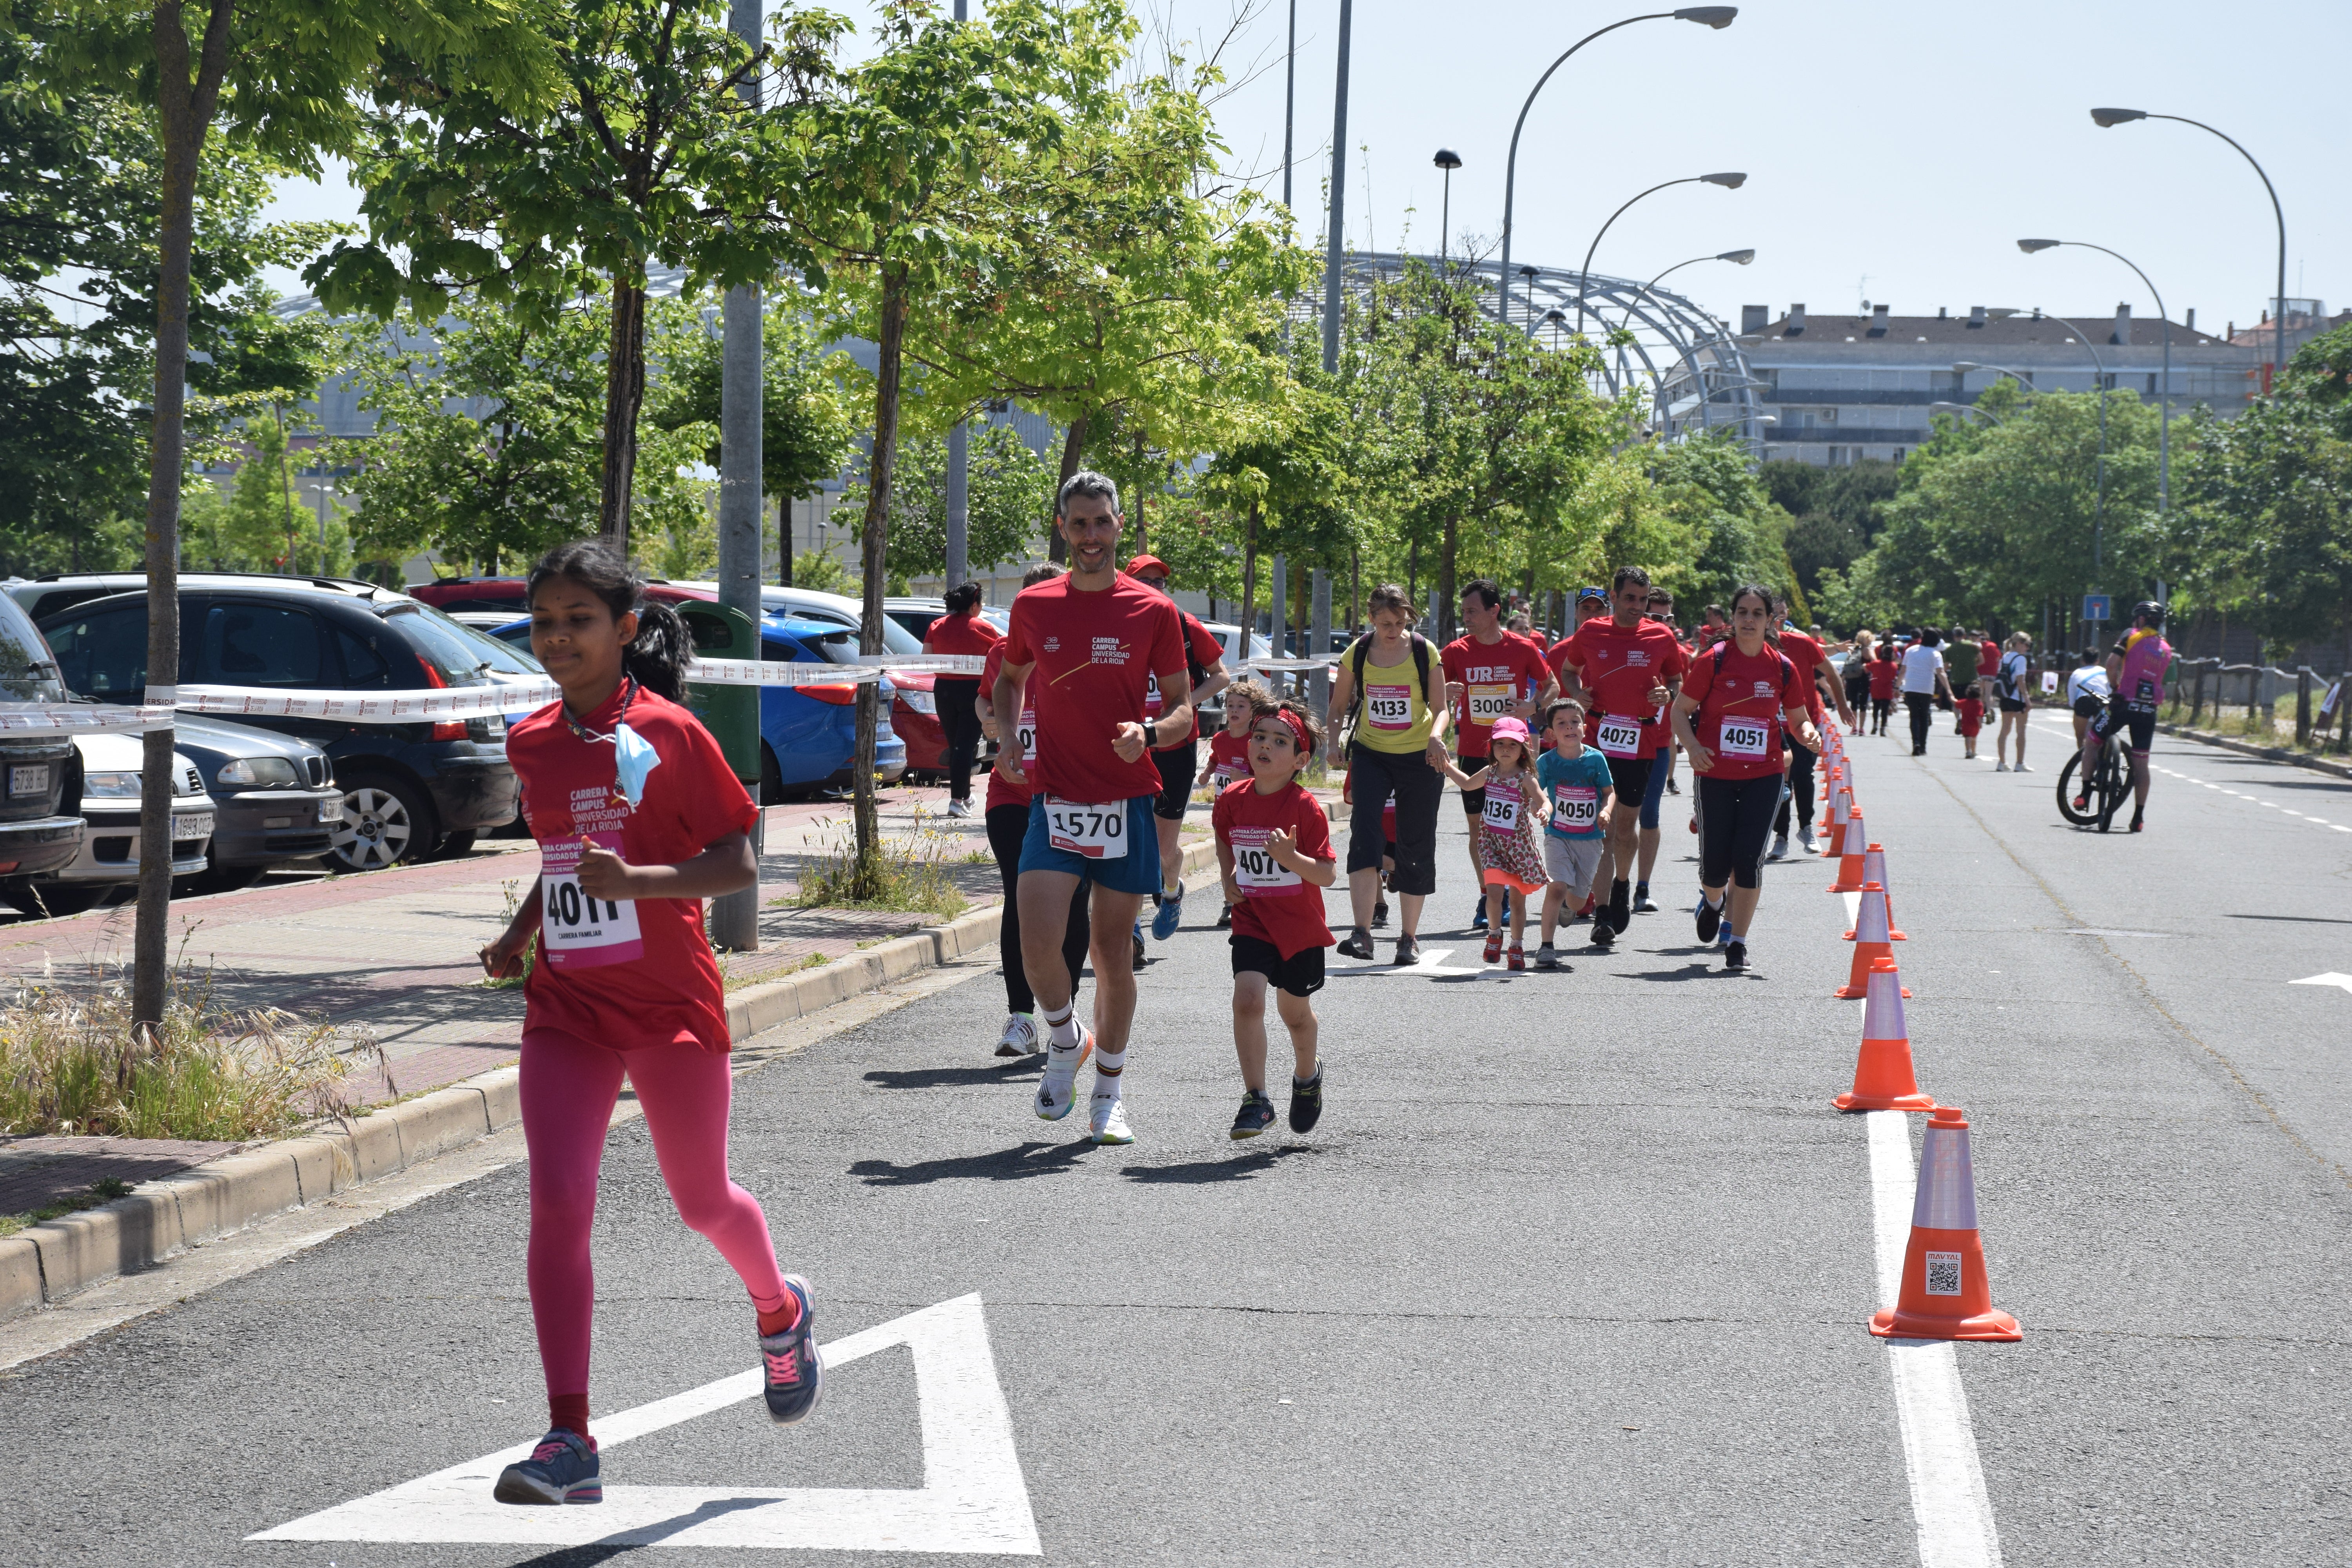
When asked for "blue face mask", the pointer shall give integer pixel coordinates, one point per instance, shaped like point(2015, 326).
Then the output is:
point(633, 758)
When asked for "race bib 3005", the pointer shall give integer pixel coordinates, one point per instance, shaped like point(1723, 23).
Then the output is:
point(1488, 703)
point(1095, 832)
point(1745, 738)
point(1619, 737)
point(1261, 875)
point(577, 931)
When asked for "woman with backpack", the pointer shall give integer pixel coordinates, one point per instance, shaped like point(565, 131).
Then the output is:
point(1389, 692)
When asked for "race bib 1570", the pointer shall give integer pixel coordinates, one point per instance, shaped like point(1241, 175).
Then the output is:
point(577, 931)
point(1095, 832)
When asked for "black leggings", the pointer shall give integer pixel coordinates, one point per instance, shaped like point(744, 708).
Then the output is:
point(1800, 787)
point(1923, 713)
point(1881, 710)
point(1007, 826)
point(1419, 790)
point(962, 727)
point(1735, 818)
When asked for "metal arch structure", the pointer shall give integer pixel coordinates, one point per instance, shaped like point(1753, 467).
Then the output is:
point(1688, 364)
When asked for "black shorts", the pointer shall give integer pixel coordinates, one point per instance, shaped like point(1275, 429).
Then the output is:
point(1474, 801)
point(2141, 726)
point(1630, 777)
point(1301, 974)
point(2012, 704)
point(1179, 766)
point(2087, 707)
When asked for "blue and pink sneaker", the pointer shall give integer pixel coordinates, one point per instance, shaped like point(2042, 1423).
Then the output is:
point(562, 1469)
point(794, 1372)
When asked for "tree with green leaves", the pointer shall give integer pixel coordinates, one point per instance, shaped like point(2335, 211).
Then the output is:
point(1011, 496)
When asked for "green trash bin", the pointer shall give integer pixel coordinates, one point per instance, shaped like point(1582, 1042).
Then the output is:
point(729, 712)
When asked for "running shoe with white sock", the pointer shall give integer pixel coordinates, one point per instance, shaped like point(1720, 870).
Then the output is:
point(1710, 919)
point(1020, 1037)
point(1056, 1086)
point(792, 1370)
point(562, 1469)
point(1106, 1116)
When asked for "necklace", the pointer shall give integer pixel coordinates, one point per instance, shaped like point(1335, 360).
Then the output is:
point(628, 695)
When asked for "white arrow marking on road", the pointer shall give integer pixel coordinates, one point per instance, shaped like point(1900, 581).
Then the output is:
point(972, 1499)
point(1430, 962)
point(2330, 978)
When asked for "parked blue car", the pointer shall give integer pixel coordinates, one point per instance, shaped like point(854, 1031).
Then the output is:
point(807, 733)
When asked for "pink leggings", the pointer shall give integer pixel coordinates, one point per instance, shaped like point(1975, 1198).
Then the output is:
point(569, 1087)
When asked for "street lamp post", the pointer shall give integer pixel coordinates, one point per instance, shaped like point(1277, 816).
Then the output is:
point(1736, 258)
point(1966, 366)
point(1527, 283)
point(2164, 416)
point(1967, 409)
point(1583, 285)
point(2108, 118)
point(1336, 227)
point(1448, 160)
point(1716, 16)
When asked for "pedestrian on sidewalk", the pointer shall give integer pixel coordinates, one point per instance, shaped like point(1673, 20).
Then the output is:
point(638, 819)
point(1924, 681)
point(963, 630)
point(2013, 684)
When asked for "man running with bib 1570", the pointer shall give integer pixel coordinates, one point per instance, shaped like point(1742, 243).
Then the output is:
point(1087, 646)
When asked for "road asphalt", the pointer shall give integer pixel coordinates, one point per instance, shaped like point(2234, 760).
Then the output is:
point(1576, 1270)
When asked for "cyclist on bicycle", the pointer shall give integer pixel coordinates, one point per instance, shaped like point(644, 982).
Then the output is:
point(2136, 667)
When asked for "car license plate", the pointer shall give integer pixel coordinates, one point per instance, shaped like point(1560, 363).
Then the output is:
point(194, 824)
point(33, 779)
point(330, 809)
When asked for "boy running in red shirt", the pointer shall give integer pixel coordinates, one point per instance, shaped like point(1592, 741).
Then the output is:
point(1228, 762)
point(1274, 848)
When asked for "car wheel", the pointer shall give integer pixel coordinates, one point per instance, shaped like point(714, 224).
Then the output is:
point(386, 822)
point(56, 900)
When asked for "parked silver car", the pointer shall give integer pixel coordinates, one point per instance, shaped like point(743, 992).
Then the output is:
point(112, 767)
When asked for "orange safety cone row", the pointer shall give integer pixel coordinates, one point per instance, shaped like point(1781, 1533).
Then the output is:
point(1848, 806)
point(1945, 1293)
point(1870, 941)
point(1883, 1078)
point(1874, 870)
point(1850, 853)
point(1840, 798)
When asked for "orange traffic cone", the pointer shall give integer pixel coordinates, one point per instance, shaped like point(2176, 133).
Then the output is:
point(1945, 1293)
point(1850, 853)
point(1874, 870)
point(1870, 941)
point(1841, 799)
point(1848, 806)
point(1881, 1073)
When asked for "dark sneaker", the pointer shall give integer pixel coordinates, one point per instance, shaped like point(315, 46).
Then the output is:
point(796, 1374)
point(1478, 921)
point(1621, 906)
point(562, 1469)
point(1138, 945)
point(1307, 1101)
point(1408, 952)
point(1710, 917)
point(1604, 930)
point(1380, 913)
point(1225, 919)
point(1358, 944)
point(1735, 956)
point(1170, 916)
point(1256, 1115)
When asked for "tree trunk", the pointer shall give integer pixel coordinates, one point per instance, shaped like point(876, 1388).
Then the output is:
point(890, 346)
point(1355, 583)
point(1072, 444)
point(185, 111)
point(1445, 590)
point(625, 395)
point(1249, 584)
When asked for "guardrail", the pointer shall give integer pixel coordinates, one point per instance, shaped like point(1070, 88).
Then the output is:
point(2320, 704)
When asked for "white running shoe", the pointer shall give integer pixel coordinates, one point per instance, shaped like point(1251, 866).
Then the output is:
point(2023, 769)
point(2001, 767)
point(959, 808)
point(1805, 837)
point(1056, 1086)
point(1108, 1119)
point(1020, 1037)
point(1780, 850)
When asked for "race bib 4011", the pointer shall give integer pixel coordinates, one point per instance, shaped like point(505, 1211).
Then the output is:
point(577, 931)
point(1095, 832)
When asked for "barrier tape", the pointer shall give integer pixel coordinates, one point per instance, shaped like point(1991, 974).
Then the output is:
point(1280, 664)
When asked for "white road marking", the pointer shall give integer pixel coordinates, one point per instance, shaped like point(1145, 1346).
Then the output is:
point(2330, 978)
point(1430, 962)
point(972, 1499)
point(1949, 1505)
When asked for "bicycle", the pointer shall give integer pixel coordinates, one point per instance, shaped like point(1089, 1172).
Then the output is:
point(2108, 788)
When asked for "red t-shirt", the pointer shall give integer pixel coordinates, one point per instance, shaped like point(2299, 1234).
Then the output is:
point(1200, 650)
point(1497, 678)
point(1228, 759)
point(1751, 696)
point(1883, 673)
point(642, 973)
point(1805, 653)
point(1618, 666)
point(1278, 905)
point(1003, 791)
point(1093, 653)
point(1987, 663)
point(961, 634)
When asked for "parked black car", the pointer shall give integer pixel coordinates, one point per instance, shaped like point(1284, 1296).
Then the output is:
point(274, 798)
point(40, 776)
point(409, 791)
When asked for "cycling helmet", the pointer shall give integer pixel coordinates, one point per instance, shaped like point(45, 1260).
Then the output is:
point(2148, 610)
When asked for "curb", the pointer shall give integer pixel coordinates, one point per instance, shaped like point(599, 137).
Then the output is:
point(2248, 749)
point(44, 1264)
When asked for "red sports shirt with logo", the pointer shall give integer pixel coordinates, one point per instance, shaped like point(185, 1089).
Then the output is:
point(664, 985)
point(1228, 758)
point(1742, 703)
point(1805, 653)
point(1496, 677)
point(1092, 655)
point(1021, 733)
point(1278, 905)
point(1203, 651)
point(1619, 665)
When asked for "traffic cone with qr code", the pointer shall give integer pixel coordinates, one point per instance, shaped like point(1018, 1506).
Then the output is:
point(1850, 852)
point(1874, 870)
point(1870, 941)
point(1944, 1294)
point(1883, 1078)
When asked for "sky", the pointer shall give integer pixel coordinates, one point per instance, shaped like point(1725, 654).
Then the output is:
point(1896, 150)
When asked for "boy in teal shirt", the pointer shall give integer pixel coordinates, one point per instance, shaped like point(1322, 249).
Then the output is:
point(1575, 780)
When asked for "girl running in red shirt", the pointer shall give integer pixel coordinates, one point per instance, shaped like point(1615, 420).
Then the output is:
point(1228, 762)
point(638, 819)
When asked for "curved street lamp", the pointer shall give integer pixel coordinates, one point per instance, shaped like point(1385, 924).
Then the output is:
point(1966, 366)
point(1716, 16)
point(2164, 419)
point(1728, 182)
point(1448, 160)
point(2108, 118)
point(1736, 258)
point(1968, 408)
